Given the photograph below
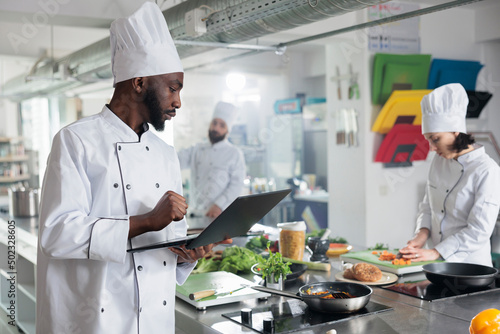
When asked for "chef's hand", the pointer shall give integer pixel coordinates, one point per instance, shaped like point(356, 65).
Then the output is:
point(214, 211)
point(419, 254)
point(419, 239)
point(192, 255)
point(171, 207)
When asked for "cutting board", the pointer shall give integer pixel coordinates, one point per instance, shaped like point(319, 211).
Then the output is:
point(368, 257)
point(219, 280)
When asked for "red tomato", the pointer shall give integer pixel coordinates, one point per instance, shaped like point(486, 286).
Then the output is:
point(337, 245)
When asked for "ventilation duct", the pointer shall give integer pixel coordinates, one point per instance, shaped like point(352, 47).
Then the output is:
point(227, 22)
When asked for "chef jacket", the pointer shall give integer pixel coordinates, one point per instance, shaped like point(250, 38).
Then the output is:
point(100, 173)
point(217, 174)
point(460, 206)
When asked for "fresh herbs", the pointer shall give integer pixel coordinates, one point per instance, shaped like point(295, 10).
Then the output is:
point(274, 266)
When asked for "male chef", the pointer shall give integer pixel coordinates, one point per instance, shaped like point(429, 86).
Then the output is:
point(111, 185)
point(217, 168)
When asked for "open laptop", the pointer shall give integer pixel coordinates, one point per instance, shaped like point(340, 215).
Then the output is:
point(236, 220)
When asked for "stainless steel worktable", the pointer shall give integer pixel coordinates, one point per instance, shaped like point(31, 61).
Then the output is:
point(408, 314)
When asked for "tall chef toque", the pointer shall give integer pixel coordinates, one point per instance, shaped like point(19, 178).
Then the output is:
point(444, 109)
point(227, 112)
point(141, 45)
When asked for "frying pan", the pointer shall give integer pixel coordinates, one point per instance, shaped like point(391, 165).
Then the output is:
point(460, 275)
point(361, 293)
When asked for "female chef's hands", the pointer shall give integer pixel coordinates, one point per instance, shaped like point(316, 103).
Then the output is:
point(419, 254)
point(171, 207)
point(414, 251)
point(192, 255)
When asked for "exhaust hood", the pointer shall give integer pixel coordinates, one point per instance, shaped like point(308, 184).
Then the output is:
point(226, 23)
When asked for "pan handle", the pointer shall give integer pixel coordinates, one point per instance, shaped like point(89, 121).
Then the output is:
point(276, 292)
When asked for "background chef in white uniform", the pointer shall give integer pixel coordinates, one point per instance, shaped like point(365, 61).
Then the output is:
point(217, 168)
point(111, 185)
point(462, 196)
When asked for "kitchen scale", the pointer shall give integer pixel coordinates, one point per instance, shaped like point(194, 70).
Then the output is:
point(428, 291)
point(294, 315)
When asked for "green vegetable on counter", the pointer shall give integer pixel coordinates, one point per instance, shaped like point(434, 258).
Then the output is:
point(238, 259)
point(234, 260)
point(379, 246)
point(274, 265)
point(319, 233)
point(206, 265)
point(257, 244)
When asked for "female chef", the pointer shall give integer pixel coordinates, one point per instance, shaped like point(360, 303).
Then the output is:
point(462, 196)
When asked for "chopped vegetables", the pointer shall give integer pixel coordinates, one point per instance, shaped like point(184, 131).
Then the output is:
point(234, 259)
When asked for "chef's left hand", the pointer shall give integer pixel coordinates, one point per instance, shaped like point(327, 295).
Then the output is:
point(192, 255)
point(214, 211)
point(419, 254)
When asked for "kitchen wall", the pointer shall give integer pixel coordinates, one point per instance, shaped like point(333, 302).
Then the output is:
point(371, 204)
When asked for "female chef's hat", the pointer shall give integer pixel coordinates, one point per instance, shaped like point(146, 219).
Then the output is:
point(444, 109)
point(226, 112)
point(141, 45)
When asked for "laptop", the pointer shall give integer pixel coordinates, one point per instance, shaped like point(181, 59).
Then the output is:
point(236, 220)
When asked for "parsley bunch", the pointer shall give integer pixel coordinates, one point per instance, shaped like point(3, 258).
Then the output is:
point(274, 265)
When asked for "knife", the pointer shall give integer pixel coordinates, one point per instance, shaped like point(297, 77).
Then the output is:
point(212, 292)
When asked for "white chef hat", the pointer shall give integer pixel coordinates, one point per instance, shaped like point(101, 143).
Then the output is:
point(226, 112)
point(444, 109)
point(141, 45)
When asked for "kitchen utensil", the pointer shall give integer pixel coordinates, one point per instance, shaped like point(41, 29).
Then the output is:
point(339, 87)
point(211, 292)
point(361, 292)
point(460, 275)
point(325, 234)
point(318, 248)
point(297, 270)
point(23, 202)
point(220, 281)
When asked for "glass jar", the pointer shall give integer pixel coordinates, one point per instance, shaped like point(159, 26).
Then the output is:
point(292, 239)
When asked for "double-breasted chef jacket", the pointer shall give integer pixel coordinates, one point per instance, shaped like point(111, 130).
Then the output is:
point(217, 174)
point(100, 173)
point(461, 205)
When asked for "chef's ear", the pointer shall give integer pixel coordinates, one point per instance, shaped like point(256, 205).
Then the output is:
point(138, 84)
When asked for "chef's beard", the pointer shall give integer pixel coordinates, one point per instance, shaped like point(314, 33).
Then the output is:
point(215, 137)
point(155, 112)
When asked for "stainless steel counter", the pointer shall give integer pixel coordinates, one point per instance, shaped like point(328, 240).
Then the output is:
point(408, 314)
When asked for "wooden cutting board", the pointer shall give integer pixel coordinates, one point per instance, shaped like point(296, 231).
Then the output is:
point(221, 281)
point(368, 257)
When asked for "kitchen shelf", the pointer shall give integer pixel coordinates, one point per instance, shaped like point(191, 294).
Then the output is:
point(12, 179)
point(14, 158)
point(4, 289)
point(25, 302)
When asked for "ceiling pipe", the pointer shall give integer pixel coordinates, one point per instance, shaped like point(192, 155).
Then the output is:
point(399, 17)
point(227, 22)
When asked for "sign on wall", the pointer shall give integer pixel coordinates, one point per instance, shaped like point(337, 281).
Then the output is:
point(396, 37)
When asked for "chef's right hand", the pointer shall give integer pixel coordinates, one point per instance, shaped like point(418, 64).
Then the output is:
point(171, 207)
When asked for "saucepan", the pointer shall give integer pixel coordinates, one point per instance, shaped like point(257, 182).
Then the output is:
point(460, 275)
point(350, 297)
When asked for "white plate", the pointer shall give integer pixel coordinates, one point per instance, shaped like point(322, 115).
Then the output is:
point(387, 278)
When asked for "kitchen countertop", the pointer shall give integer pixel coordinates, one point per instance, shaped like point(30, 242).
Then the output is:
point(408, 314)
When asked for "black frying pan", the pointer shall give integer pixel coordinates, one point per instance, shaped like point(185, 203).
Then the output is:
point(460, 275)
